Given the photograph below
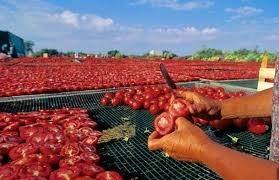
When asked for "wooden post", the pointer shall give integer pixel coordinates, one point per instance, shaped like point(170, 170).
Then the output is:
point(264, 74)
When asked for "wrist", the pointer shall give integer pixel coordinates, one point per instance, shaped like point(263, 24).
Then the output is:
point(208, 151)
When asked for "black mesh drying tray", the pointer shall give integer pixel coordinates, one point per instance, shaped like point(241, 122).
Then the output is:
point(132, 158)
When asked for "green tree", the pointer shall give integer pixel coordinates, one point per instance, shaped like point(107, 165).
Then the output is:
point(112, 53)
point(168, 55)
point(50, 52)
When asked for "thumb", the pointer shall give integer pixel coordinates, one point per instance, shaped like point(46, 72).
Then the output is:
point(154, 141)
point(182, 123)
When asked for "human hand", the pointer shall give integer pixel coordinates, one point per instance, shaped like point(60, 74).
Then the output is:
point(200, 105)
point(186, 143)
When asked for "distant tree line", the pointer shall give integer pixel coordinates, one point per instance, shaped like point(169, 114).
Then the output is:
point(209, 54)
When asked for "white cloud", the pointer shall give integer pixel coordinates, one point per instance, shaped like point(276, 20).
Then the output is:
point(86, 21)
point(273, 37)
point(275, 20)
point(245, 11)
point(176, 4)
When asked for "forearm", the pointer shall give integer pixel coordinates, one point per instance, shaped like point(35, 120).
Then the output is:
point(230, 164)
point(257, 105)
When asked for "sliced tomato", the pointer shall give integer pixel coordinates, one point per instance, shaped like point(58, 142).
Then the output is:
point(164, 123)
point(27, 131)
point(50, 148)
point(89, 169)
point(53, 159)
point(34, 178)
point(65, 173)
point(3, 125)
point(55, 128)
point(22, 150)
point(87, 131)
point(12, 127)
point(70, 149)
point(73, 124)
point(91, 140)
point(70, 161)
point(90, 158)
point(9, 172)
point(87, 148)
point(6, 147)
point(240, 123)
point(257, 126)
point(37, 138)
point(108, 175)
point(35, 169)
point(179, 108)
point(25, 160)
point(104, 101)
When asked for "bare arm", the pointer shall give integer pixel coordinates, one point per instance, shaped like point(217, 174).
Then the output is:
point(234, 165)
point(257, 105)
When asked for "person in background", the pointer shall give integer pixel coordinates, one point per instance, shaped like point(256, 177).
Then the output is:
point(190, 143)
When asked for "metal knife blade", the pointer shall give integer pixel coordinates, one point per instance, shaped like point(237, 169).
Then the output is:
point(167, 77)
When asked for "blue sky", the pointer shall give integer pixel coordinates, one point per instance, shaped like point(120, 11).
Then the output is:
point(137, 26)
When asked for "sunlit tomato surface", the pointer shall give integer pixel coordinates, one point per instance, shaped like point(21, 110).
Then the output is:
point(109, 175)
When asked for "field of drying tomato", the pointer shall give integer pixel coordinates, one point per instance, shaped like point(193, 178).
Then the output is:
point(60, 74)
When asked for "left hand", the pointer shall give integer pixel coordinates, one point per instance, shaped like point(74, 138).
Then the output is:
point(186, 143)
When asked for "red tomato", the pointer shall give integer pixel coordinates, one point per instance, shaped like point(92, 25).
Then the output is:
point(37, 138)
point(3, 125)
point(161, 105)
point(148, 96)
point(53, 128)
point(35, 169)
point(50, 148)
point(65, 173)
point(90, 157)
point(70, 161)
point(109, 95)
point(9, 172)
point(87, 131)
point(104, 101)
point(221, 124)
point(240, 123)
point(154, 109)
point(70, 149)
point(179, 108)
point(132, 91)
point(73, 124)
point(257, 126)
point(53, 159)
point(27, 131)
point(10, 139)
point(6, 147)
point(164, 123)
point(89, 169)
point(91, 140)
point(203, 122)
point(115, 101)
point(87, 148)
point(166, 89)
point(12, 127)
point(146, 104)
point(136, 105)
point(22, 150)
point(168, 95)
point(108, 175)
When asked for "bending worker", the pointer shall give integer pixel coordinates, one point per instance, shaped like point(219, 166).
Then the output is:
point(190, 143)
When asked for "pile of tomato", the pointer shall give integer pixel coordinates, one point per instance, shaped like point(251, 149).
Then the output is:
point(60, 74)
point(161, 99)
point(50, 144)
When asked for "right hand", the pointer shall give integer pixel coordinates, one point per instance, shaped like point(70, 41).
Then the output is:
point(200, 105)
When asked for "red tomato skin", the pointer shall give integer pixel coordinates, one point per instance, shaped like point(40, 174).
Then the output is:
point(70, 172)
point(104, 101)
point(146, 104)
point(115, 102)
point(90, 169)
point(70, 161)
point(240, 123)
point(42, 169)
point(221, 124)
point(90, 157)
point(164, 123)
point(108, 175)
point(154, 109)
